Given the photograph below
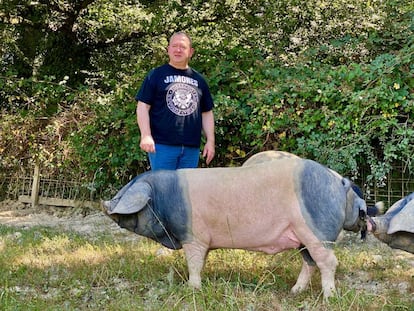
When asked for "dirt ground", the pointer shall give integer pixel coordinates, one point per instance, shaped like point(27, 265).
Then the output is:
point(81, 220)
point(91, 222)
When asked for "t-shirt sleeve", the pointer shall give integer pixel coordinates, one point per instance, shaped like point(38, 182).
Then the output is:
point(207, 103)
point(146, 91)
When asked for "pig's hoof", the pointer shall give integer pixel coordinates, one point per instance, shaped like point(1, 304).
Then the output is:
point(328, 292)
point(163, 251)
point(297, 289)
point(194, 284)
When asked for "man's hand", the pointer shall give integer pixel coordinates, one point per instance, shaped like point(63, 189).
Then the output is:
point(147, 144)
point(209, 152)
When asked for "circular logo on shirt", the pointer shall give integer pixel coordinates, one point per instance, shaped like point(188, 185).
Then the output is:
point(182, 99)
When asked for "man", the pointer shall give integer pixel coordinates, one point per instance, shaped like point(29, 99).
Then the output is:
point(174, 108)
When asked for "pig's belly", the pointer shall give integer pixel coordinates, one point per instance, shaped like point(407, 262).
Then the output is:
point(267, 244)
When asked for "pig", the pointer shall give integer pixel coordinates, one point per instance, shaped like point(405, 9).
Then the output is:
point(268, 155)
point(269, 206)
point(396, 226)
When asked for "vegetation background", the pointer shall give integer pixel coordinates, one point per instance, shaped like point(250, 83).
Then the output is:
point(330, 80)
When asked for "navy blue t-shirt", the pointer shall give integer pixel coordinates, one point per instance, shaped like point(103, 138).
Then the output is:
point(177, 98)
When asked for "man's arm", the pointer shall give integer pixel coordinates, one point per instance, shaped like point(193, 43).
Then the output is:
point(208, 129)
point(147, 142)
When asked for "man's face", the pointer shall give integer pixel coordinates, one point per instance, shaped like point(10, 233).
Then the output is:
point(180, 51)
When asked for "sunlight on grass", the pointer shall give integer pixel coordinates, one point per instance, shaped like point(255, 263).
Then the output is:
point(381, 263)
point(61, 250)
point(49, 270)
point(2, 245)
point(253, 271)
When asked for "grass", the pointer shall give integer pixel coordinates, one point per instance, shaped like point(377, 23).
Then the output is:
point(44, 269)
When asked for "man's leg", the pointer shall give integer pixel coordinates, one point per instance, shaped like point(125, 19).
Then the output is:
point(165, 157)
point(189, 157)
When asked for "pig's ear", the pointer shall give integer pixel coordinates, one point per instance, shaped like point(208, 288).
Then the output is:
point(132, 200)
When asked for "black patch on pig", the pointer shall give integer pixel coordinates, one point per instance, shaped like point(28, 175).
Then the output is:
point(323, 200)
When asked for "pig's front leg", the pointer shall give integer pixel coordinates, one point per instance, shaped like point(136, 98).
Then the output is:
point(195, 255)
point(327, 263)
point(327, 266)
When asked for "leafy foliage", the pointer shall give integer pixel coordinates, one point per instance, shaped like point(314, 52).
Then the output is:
point(328, 80)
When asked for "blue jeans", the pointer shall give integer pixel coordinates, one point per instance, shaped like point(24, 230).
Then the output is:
point(168, 157)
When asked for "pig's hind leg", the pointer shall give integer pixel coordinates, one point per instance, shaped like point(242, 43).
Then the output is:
point(304, 277)
point(327, 263)
point(324, 258)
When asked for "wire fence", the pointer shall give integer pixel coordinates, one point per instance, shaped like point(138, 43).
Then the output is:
point(398, 184)
point(16, 187)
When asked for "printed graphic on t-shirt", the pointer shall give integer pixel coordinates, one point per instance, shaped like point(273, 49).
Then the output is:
point(182, 99)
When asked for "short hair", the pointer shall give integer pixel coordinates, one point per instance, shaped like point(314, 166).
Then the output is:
point(181, 33)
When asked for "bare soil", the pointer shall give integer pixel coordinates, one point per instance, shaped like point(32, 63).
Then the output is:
point(81, 220)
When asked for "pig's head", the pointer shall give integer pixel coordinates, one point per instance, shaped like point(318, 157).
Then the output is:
point(127, 203)
point(356, 209)
point(132, 208)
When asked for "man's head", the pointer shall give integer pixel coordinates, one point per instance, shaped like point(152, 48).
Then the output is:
point(180, 50)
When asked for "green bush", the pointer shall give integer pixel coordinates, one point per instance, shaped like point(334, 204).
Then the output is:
point(331, 81)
